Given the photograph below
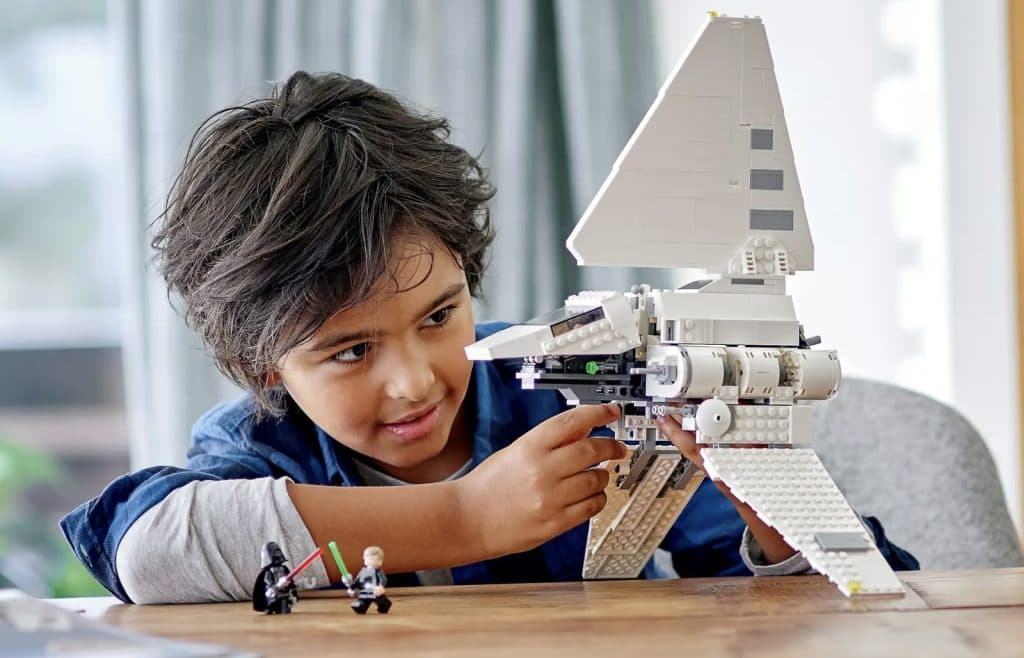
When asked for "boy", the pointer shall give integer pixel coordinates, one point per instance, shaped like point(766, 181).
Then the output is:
point(326, 243)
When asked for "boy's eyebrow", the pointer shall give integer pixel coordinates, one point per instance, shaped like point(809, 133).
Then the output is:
point(448, 292)
point(333, 340)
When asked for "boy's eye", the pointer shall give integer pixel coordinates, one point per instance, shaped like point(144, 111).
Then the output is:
point(441, 316)
point(353, 354)
point(358, 352)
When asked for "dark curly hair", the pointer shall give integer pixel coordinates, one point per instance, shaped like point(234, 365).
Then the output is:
point(286, 208)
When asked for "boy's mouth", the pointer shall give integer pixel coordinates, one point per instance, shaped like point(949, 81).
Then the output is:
point(416, 427)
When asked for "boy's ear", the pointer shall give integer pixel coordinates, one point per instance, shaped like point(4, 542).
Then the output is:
point(272, 379)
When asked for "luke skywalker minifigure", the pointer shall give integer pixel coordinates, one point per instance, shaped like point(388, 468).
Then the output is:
point(368, 584)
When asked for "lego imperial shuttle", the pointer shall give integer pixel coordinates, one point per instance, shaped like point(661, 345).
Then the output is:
point(706, 181)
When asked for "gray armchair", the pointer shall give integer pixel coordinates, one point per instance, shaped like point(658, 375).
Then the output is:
point(922, 469)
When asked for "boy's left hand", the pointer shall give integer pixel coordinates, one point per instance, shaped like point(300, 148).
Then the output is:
point(774, 546)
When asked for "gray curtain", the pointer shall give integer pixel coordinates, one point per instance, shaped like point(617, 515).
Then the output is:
point(548, 92)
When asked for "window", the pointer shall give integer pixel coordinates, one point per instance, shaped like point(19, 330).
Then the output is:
point(766, 179)
point(61, 402)
point(771, 220)
point(762, 139)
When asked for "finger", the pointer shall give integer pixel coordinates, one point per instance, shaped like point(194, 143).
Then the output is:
point(581, 455)
point(582, 511)
point(680, 438)
point(575, 424)
point(583, 485)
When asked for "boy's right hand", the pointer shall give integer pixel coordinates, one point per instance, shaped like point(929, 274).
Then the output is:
point(541, 485)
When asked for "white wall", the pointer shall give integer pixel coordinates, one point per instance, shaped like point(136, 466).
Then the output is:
point(979, 139)
point(902, 146)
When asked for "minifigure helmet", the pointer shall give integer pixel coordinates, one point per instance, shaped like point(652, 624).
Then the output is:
point(272, 555)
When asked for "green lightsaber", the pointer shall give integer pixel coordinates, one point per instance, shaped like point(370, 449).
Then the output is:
point(337, 558)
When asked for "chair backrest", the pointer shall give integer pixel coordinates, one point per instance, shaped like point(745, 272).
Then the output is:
point(923, 470)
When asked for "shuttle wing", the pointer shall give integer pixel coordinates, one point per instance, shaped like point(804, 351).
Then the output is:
point(708, 171)
point(793, 493)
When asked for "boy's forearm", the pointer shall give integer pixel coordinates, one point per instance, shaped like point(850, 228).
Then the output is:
point(772, 544)
point(419, 526)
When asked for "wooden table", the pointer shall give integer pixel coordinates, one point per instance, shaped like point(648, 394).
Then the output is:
point(965, 613)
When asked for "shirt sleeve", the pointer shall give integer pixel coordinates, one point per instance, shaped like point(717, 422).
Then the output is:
point(95, 528)
point(899, 559)
point(753, 555)
point(202, 543)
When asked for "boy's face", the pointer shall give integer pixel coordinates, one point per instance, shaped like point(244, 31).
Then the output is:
point(387, 378)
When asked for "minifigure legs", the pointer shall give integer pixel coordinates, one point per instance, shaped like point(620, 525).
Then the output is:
point(282, 606)
point(362, 605)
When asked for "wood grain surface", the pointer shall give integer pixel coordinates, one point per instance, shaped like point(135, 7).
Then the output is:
point(968, 613)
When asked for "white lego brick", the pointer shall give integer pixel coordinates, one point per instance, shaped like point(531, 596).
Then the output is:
point(613, 334)
point(516, 341)
point(595, 338)
point(587, 299)
point(683, 304)
point(637, 422)
point(761, 257)
point(702, 331)
point(793, 493)
point(686, 316)
point(760, 424)
point(700, 371)
point(783, 395)
point(740, 332)
point(692, 331)
point(801, 425)
point(814, 374)
point(756, 370)
point(619, 313)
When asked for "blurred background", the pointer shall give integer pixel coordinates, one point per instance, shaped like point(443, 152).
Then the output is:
point(899, 112)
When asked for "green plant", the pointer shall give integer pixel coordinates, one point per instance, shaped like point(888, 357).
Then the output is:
point(27, 537)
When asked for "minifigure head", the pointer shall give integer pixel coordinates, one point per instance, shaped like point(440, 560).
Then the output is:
point(326, 241)
point(272, 555)
point(373, 557)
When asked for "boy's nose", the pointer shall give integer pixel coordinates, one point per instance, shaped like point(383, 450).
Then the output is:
point(412, 379)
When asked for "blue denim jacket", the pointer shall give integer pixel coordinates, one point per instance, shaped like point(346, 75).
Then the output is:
point(227, 444)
